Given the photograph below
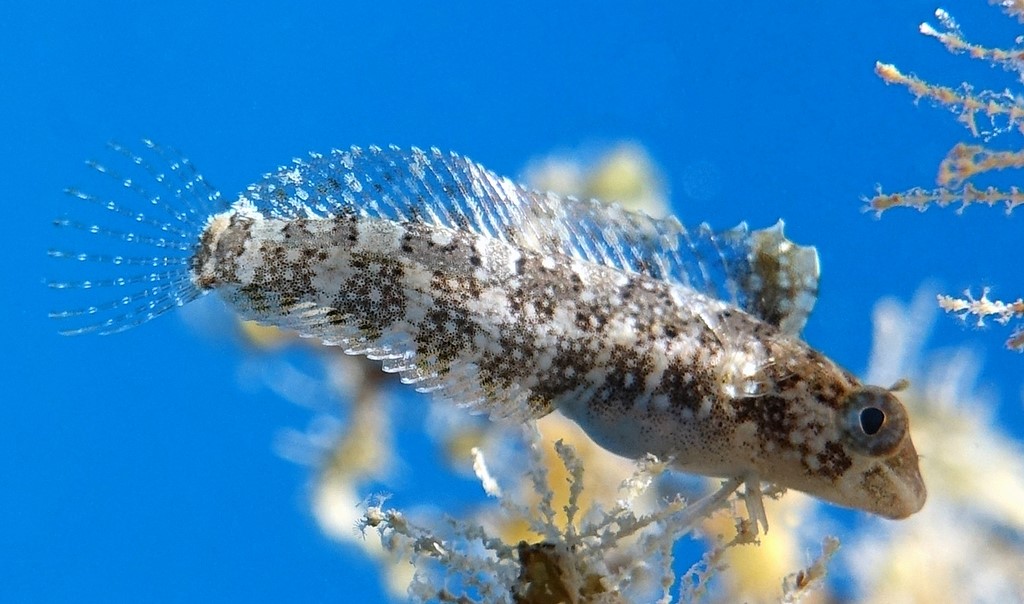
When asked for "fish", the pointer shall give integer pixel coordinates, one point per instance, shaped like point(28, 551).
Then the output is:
point(654, 338)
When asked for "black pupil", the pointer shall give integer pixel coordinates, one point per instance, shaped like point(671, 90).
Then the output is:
point(871, 420)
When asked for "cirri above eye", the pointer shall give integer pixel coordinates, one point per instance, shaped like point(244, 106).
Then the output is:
point(873, 420)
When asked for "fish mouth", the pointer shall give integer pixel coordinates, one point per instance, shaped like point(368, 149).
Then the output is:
point(894, 486)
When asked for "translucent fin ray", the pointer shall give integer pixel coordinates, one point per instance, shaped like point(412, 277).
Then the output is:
point(127, 236)
point(153, 200)
point(130, 214)
point(114, 281)
point(118, 260)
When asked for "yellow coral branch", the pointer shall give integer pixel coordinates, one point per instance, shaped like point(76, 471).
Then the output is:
point(1016, 341)
point(1014, 8)
point(955, 43)
point(920, 198)
point(961, 101)
point(964, 161)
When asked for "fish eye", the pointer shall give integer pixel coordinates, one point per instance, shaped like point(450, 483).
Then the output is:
point(873, 421)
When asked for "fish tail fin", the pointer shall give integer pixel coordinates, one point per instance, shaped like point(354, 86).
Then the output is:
point(138, 237)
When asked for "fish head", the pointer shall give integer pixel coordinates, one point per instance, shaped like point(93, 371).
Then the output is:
point(865, 458)
point(885, 477)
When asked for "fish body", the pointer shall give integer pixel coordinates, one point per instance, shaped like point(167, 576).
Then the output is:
point(654, 339)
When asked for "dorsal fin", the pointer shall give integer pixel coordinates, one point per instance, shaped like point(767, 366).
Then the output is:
point(781, 282)
point(759, 271)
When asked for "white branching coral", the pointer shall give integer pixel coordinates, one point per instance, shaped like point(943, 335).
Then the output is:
point(982, 308)
point(797, 585)
point(595, 555)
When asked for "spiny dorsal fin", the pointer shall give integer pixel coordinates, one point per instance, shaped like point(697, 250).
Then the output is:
point(759, 271)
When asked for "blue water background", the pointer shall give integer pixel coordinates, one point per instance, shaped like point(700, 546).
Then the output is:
point(135, 467)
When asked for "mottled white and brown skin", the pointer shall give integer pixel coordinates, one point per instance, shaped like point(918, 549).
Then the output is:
point(643, 365)
point(519, 304)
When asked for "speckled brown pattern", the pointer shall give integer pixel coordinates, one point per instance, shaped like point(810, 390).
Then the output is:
point(644, 365)
point(653, 337)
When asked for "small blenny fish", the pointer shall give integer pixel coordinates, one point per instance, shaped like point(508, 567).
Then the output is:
point(652, 337)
